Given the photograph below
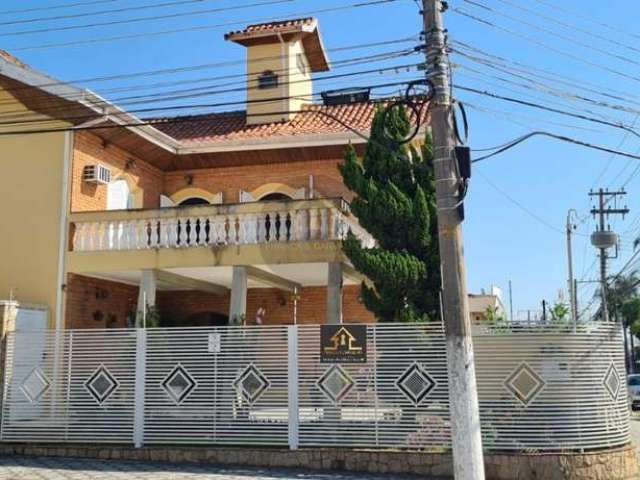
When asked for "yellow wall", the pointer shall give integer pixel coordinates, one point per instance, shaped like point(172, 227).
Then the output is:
point(31, 169)
point(300, 80)
point(281, 59)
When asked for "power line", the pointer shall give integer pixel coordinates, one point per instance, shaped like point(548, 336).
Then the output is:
point(591, 33)
point(507, 116)
point(548, 109)
point(577, 14)
point(544, 45)
point(17, 121)
point(199, 27)
point(610, 161)
point(57, 7)
point(545, 87)
point(591, 47)
point(599, 89)
point(517, 141)
point(205, 66)
point(189, 118)
point(143, 19)
point(210, 89)
point(350, 61)
point(526, 210)
point(567, 97)
point(101, 12)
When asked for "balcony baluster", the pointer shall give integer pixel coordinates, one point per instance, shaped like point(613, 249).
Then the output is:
point(299, 221)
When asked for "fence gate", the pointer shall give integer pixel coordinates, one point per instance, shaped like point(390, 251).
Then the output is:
point(540, 387)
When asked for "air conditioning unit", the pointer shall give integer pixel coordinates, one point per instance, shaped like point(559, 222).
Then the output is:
point(96, 174)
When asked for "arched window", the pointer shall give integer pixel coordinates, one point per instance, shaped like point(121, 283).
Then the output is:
point(193, 201)
point(267, 79)
point(119, 196)
point(274, 197)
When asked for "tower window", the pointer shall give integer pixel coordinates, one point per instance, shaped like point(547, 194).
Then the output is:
point(267, 79)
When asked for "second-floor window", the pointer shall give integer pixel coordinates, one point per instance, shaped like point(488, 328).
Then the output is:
point(267, 79)
point(119, 197)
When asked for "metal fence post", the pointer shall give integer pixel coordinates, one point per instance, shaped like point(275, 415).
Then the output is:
point(138, 416)
point(294, 412)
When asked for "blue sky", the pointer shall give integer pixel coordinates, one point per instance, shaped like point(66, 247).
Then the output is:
point(523, 243)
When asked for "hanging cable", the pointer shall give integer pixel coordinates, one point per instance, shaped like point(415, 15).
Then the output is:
point(128, 21)
point(517, 141)
point(57, 7)
point(197, 28)
point(548, 109)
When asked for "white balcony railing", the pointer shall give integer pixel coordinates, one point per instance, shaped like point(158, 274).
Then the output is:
point(219, 225)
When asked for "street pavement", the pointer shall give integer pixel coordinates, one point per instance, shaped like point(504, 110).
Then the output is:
point(55, 468)
point(635, 431)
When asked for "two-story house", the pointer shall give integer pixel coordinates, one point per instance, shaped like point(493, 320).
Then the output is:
point(221, 218)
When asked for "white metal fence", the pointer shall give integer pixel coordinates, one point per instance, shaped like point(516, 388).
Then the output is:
point(546, 388)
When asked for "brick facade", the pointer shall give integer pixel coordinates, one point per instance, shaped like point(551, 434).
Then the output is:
point(96, 303)
point(327, 181)
point(177, 307)
point(149, 182)
point(89, 149)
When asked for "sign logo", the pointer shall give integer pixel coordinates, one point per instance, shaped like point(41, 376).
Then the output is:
point(343, 344)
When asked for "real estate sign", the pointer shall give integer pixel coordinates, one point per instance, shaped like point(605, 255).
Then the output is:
point(343, 344)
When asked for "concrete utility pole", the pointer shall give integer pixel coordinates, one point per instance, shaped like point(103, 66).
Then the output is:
point(570, 284)
point(603, 238)
point(468, 461)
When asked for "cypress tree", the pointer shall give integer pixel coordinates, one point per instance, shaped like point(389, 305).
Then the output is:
point(395, 202)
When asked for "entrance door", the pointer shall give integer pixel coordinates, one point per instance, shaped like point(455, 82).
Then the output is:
point(119, 197)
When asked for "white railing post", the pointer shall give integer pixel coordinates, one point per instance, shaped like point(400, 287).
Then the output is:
point(294, 411)
point(138, 416)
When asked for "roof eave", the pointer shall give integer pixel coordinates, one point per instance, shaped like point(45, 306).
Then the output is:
point(88, 99)
point(275, 143)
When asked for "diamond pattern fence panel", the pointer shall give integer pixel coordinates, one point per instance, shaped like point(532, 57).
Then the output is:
point(541, 388)
point(398, 398)
point(216, 386)
point(552, 388)
point(75, 386)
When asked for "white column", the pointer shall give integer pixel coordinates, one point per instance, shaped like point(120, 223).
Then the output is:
point(138, 416)
point(334, 293)
point(294, 412)
point(146, 294)
point(238, 304)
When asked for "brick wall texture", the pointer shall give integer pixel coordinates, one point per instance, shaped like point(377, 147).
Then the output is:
point(97, 303)
point(230, 180)
point(179, 306)
point(148, 182)
point(145, 181)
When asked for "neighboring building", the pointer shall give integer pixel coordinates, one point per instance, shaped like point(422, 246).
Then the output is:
point(234, 215)
point(479, 304)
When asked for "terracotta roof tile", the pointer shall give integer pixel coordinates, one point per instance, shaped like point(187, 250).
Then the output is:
point(272, 27)
point(312, 120)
